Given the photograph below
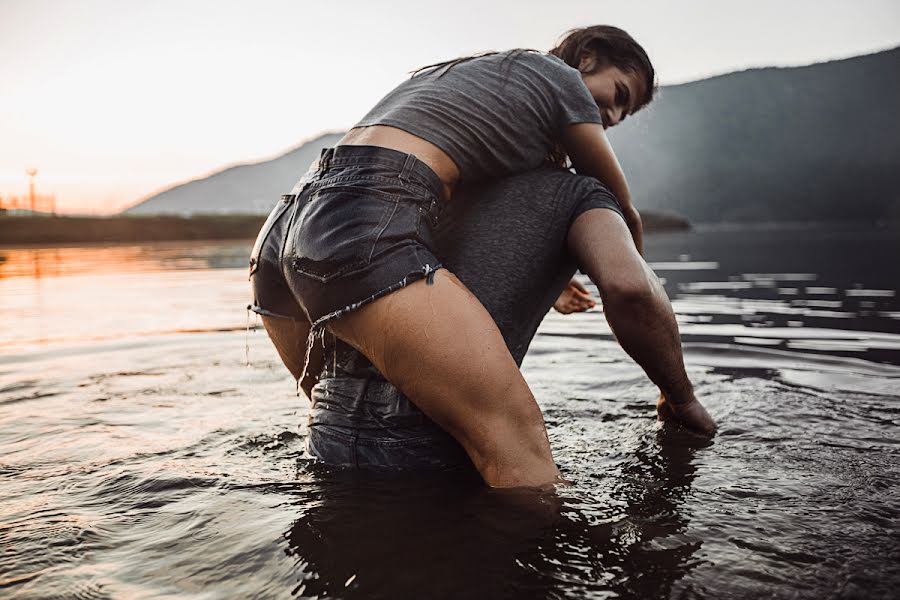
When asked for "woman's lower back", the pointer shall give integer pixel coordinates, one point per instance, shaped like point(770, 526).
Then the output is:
point(397, 139)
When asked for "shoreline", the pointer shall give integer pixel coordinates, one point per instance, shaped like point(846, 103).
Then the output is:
point(43, 230)
point(31, 230)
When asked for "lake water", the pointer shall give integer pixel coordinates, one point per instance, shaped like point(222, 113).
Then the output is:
point(141, 456)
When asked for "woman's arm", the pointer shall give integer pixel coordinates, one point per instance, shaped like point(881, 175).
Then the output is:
point(592, 155)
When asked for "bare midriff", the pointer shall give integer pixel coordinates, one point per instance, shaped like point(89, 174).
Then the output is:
point(397, 139)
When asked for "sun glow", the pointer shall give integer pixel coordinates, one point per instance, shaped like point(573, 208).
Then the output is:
point(115, 101)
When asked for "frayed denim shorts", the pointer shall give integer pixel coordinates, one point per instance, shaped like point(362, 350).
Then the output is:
point(361, 228)
point(356, 227)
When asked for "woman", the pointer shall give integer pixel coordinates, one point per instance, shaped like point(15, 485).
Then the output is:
point(358, 254)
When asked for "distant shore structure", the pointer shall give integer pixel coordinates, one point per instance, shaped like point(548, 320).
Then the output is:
point(32, 204)
point(31, 171)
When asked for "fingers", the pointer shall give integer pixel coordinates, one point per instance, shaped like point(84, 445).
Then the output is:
point(581, 297)
point(663, 409)
point(584, 301)
point(578, 286)
point(572, 303)
point(691, 415)
point(574, 298)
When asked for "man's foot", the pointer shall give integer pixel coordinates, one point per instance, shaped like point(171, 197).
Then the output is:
point(690, 414)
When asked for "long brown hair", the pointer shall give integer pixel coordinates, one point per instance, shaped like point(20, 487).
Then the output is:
point(609, 46)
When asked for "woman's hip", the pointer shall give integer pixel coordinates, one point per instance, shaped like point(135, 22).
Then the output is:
point(360, 229)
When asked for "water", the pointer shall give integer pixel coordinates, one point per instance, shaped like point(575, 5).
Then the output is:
point(140, 457)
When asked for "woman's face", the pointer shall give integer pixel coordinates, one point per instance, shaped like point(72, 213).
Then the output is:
point(616, 92)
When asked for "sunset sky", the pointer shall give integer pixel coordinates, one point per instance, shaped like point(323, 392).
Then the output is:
point(114, 100)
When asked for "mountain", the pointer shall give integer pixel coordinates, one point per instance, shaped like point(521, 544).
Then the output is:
point(248, 188)
point(814, 143)
point(809, 143)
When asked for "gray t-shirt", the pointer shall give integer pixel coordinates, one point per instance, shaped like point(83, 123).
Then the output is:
point(493, 115)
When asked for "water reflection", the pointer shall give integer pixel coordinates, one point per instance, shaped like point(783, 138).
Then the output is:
point(819, 291)
point(388, 536)
point(164, 466)
point(822, 290)
point(56, 261)
point(65, 295)
point(413, 536)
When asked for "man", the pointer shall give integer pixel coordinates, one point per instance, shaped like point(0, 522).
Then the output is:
point(515, 243)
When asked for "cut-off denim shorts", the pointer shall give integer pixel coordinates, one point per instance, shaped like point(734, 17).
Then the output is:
point(357, 226)
point(361, 229)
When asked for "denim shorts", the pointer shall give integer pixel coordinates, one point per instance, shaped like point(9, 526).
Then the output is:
point(376, 238)
point(359, 420)
point(360, 229)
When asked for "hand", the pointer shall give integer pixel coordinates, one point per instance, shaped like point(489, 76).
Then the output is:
point(575, 298)
point(690, 414)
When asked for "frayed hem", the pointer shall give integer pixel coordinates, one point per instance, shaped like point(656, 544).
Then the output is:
point(317, 329)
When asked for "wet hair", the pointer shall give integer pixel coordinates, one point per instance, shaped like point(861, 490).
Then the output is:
point(610, 46)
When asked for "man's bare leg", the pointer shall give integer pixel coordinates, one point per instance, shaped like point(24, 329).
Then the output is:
point(638, 311)
point(442, 349)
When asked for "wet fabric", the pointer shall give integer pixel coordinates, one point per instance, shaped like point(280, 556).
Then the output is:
point(360, 229)
point(506, 241)
point(493, 115)
point(362, 421)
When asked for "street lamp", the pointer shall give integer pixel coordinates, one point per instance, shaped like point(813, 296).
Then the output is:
point(31, 173)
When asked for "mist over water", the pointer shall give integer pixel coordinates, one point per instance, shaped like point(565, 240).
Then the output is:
point(140, 456)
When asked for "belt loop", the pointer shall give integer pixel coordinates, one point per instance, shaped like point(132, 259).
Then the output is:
point(325, 159)
point(407, 167)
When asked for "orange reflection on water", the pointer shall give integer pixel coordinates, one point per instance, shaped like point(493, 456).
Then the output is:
point(77, 293)
point(55, 261)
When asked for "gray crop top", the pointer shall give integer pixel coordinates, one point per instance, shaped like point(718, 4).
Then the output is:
point(493, 115)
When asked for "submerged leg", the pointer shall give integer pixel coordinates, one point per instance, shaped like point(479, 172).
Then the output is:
point(441, 348)
point(638, 311)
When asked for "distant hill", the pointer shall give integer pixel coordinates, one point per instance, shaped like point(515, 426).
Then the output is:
point(776, 144)
point(249, 188)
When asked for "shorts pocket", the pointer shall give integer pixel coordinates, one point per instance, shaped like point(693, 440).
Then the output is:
point(336, 231)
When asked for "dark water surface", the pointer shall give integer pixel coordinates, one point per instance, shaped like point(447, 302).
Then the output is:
point(141, 457)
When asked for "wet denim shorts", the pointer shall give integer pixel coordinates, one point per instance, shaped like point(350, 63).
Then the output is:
point(355, 227)
point(359, 420)
point(360, 229)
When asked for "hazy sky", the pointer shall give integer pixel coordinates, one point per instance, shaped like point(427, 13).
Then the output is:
point(115, 99)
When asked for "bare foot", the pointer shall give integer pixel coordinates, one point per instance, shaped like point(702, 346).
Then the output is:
point(690, 414)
